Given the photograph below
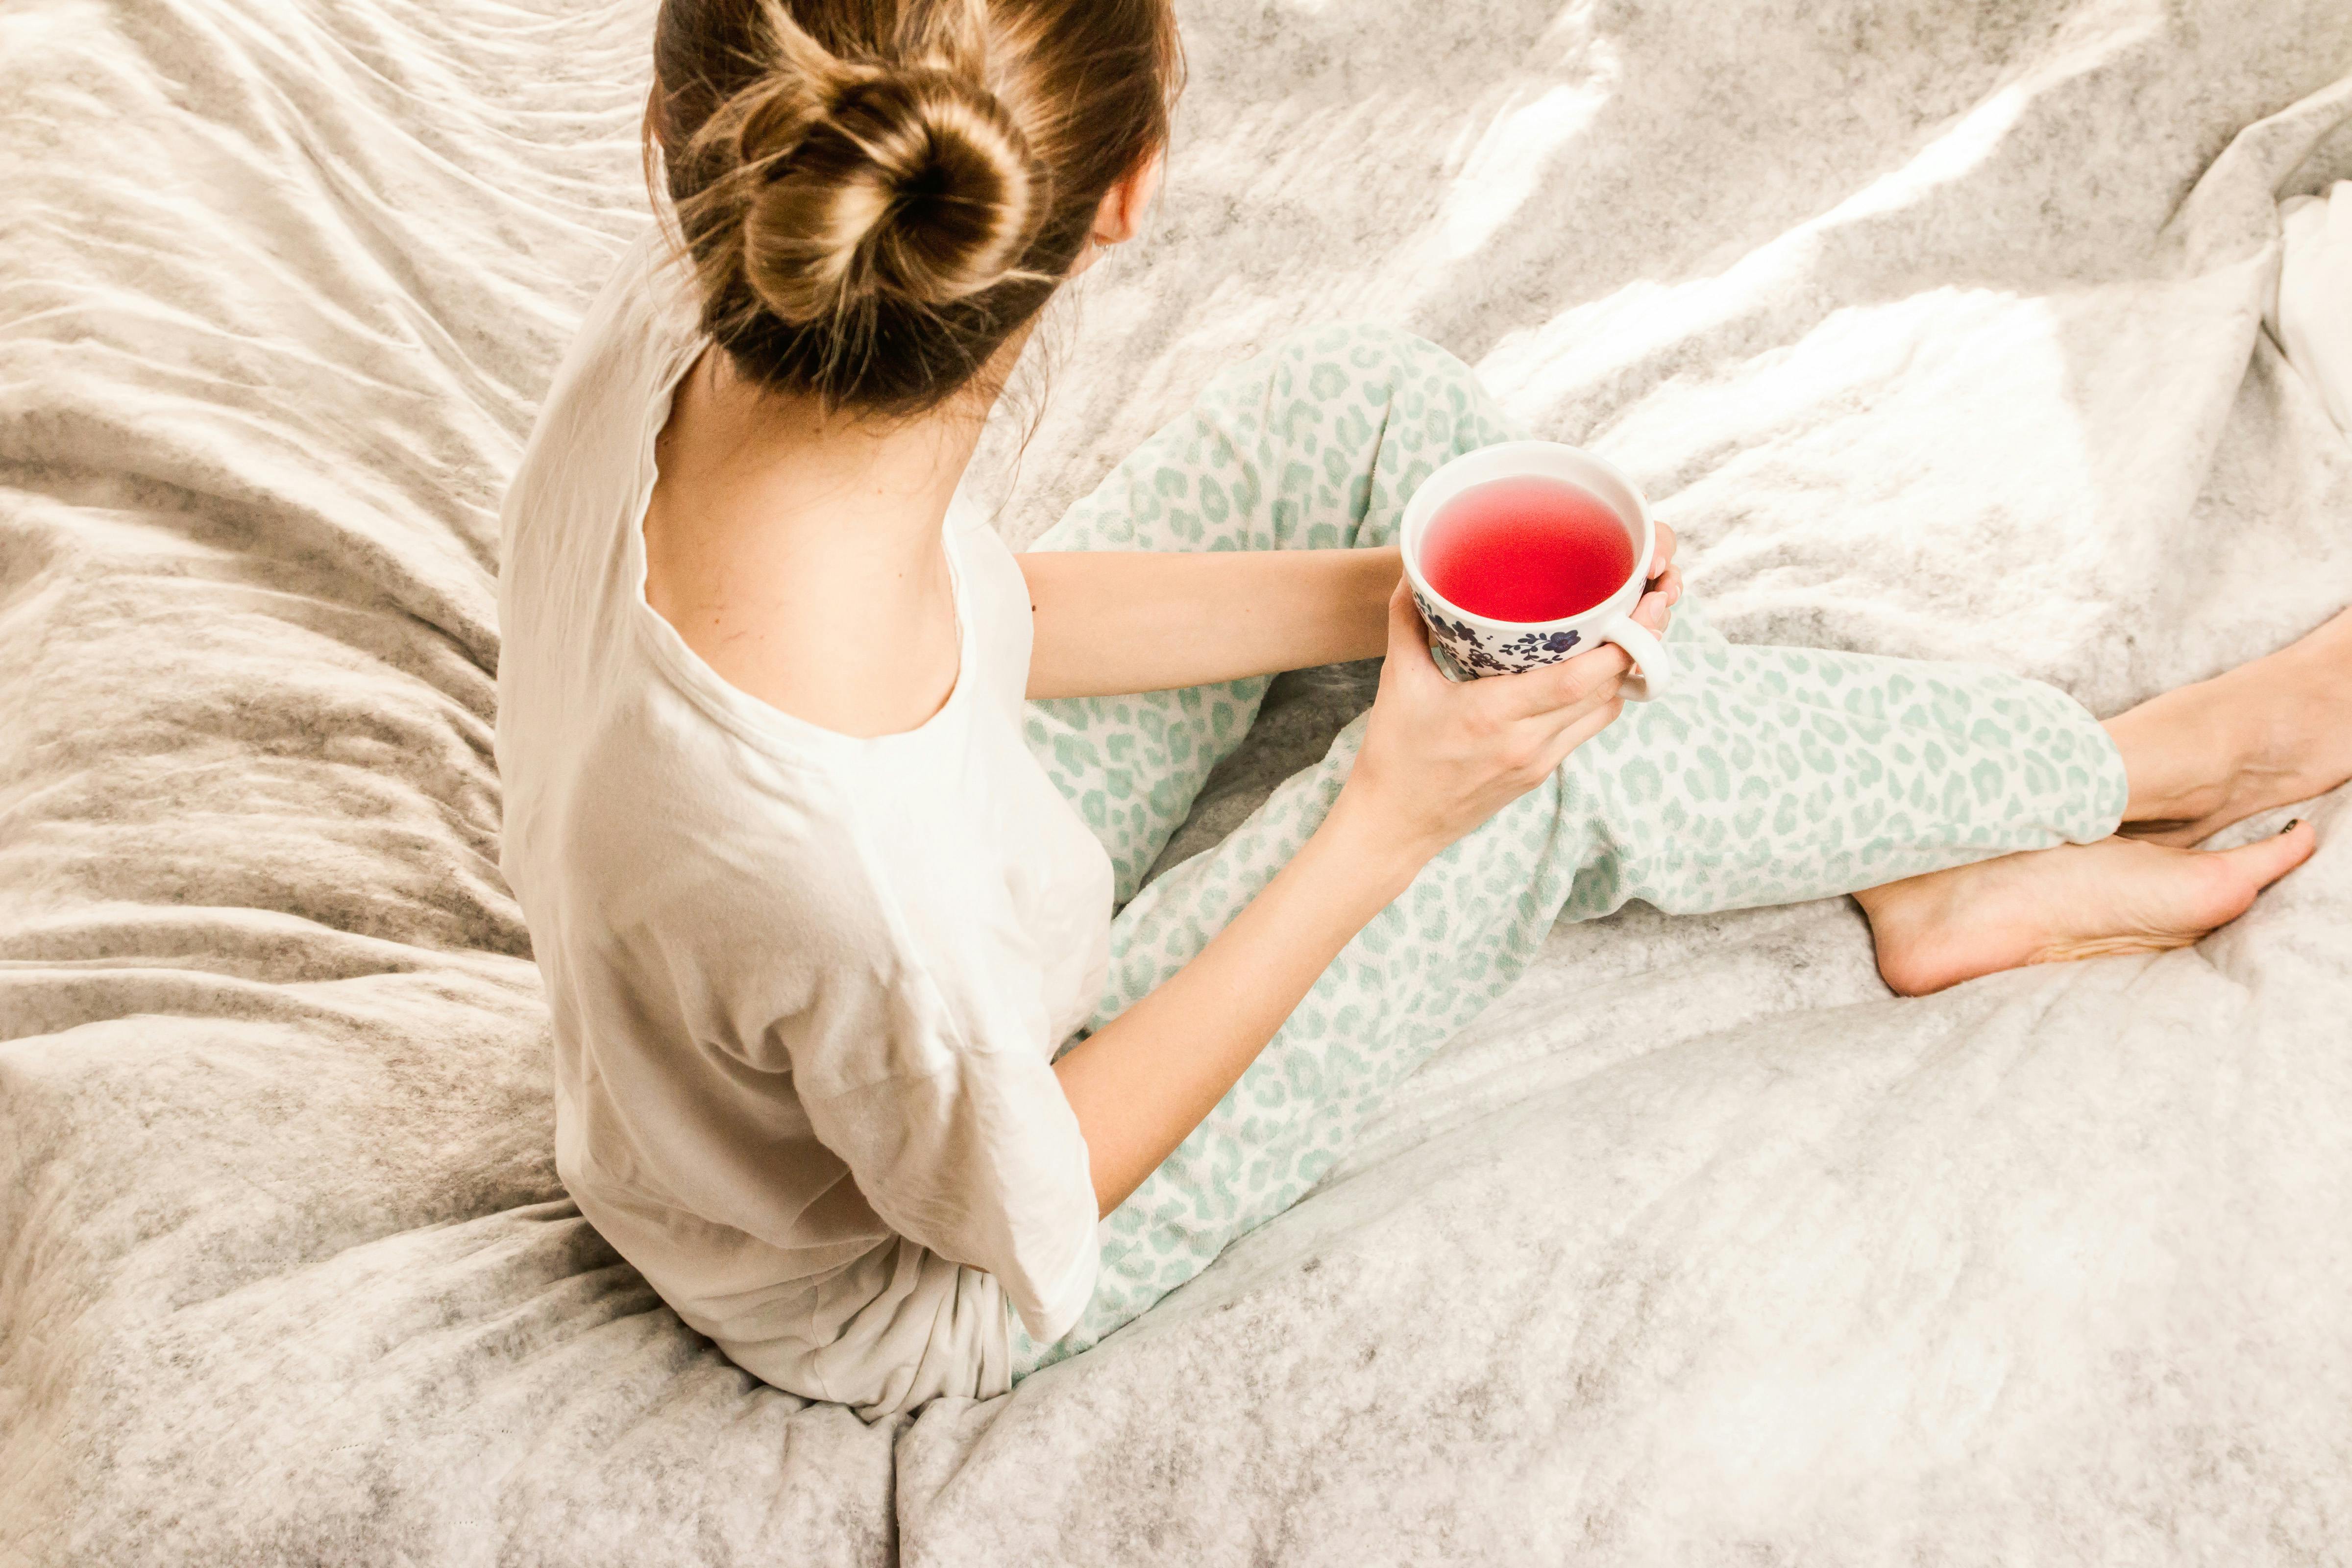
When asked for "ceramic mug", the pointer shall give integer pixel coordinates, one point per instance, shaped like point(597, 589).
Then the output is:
point(1466, 646)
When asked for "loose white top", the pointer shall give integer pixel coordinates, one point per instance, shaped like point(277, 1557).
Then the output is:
point(806, 987)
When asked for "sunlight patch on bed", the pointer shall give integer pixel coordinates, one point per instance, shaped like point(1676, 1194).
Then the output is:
point(1504, 162)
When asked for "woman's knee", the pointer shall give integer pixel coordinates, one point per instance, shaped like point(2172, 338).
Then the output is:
point(1355, 352)
point(1369, 363)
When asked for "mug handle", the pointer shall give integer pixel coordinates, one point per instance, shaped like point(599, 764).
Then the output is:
point(1654, 670)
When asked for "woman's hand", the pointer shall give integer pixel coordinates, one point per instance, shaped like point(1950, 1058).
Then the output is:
point(1440, 757)
point(1665, 584)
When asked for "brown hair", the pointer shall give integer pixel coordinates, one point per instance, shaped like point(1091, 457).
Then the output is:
point(875, 195)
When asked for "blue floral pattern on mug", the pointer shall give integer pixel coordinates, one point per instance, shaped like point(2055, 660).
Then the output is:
point(1464, 652)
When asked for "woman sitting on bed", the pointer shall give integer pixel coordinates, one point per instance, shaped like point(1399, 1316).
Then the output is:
point(828, 812)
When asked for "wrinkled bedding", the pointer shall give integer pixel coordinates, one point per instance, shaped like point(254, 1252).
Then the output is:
point(1937, 329)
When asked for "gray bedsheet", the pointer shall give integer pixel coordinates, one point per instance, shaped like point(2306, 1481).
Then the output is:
point(1934, 327)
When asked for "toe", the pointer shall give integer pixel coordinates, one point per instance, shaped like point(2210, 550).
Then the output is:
point(2265, 860)
point(2239, 874)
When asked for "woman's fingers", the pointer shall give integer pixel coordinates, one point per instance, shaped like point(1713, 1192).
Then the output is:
point(1577, 680)
point(1665, 585)
point(1654, 611)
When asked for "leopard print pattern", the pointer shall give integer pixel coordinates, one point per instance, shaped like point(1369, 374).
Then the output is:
point(1768, 776)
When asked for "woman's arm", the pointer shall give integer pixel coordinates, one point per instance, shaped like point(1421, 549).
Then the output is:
point(1438, 759)
point(1142, 1082)
point(1113, 621)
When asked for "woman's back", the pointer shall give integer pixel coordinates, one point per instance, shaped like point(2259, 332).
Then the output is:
point(802, 1007)
point(798, 555)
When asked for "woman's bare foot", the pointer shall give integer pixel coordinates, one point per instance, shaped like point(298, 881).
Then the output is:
point(2265, 734)
point(2077, 901)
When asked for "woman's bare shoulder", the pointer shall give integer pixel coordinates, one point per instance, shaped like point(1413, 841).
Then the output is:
point(799, 633)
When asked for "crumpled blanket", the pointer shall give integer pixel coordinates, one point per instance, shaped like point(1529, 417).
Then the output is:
point(1937, 329)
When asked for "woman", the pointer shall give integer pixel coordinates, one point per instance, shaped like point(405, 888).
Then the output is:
point(820, 802)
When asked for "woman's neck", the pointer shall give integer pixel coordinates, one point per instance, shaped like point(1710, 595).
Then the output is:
point(804, 470)
point(800, 553)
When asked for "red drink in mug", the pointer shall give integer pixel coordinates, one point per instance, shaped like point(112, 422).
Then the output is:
point(1527, 552)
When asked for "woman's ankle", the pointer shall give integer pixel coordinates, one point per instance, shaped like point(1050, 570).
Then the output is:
point(2181, 750)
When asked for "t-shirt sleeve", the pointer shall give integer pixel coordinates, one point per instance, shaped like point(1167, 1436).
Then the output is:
point(980, 1159)
point(916, 1036)
point(925, 1067)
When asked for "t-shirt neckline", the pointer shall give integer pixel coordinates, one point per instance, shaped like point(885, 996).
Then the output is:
point(759, 722)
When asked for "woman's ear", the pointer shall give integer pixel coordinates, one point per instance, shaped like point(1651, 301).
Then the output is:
point(1119, 218)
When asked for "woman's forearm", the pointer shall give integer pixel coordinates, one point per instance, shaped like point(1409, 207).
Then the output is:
point(1140, 1084)
point(1114, 621)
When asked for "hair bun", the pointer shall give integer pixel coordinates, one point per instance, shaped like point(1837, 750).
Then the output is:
point(873, 199)
point(904, 181)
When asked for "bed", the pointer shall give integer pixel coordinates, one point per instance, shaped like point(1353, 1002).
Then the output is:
point(1941, 331)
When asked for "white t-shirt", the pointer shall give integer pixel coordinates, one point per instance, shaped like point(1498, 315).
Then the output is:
point(806, 987)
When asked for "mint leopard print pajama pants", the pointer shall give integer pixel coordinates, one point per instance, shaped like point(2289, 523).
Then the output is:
point(1769, 776)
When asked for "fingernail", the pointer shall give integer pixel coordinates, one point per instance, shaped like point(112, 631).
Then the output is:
point(2291, 827)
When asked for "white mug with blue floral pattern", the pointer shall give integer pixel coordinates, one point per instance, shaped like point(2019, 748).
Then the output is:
point(1466, 646)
